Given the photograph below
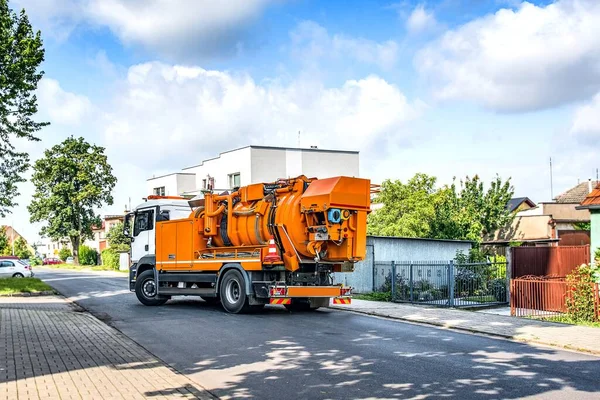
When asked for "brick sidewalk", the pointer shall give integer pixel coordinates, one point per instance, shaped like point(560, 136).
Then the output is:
point(51, 350)
point(573, 337)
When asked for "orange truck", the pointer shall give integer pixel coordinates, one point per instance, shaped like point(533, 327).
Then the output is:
point(265, 243)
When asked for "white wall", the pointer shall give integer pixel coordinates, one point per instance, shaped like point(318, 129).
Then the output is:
point(268, 165)
point(316, 164)
point(255, 165)
point(175, 184)
point(169, 182)
point(186, 183)
point(220, 167)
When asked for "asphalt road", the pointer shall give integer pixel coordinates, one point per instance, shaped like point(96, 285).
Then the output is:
point(328, 354)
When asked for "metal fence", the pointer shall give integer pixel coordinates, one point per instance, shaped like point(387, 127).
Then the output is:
point(443, 283)
point(539, 296)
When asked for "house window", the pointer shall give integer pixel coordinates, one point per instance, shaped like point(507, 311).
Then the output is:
point(234, 180)
point(204, 184)
point(159, 191)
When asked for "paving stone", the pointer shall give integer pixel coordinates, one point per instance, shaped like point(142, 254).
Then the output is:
point(51, 350)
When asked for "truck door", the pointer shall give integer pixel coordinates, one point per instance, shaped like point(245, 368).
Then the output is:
point(143, 234)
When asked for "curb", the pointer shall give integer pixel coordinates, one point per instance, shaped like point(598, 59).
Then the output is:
point(468, 330)
point(32, 294)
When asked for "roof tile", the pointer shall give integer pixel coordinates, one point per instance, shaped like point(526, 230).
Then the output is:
point(576, 194)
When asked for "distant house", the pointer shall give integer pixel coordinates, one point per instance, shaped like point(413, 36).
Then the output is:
point(13, 235)
point(591, 203)
point(99, 241)
point(519, 204)
point(547, 223)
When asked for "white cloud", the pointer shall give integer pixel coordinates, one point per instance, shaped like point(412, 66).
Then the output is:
point(586, 123)
point(528, 59)
point(175, 115)
point(59, 106)
point(420, 20)
point(311, 42)
point(176, 28)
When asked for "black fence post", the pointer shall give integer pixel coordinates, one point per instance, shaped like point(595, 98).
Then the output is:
point(410, 283)
point(393, 280)
point(451, 283)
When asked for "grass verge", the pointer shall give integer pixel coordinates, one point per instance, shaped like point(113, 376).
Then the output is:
point(10, 286)
point(480, 299)
point(565, 319)
point(375, 296)
point(82, 267)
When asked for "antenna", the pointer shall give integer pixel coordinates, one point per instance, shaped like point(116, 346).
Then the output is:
point(298, 138)
point(551, 187)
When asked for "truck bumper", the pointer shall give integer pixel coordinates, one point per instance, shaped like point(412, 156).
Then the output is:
point(132, 276)
point(285, 294)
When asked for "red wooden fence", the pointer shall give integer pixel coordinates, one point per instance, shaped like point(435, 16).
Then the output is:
point(556, 261)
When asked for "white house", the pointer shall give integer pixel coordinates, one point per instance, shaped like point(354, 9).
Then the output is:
point(254, 164)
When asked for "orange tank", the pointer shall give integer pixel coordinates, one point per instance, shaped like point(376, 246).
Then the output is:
point(317, 219)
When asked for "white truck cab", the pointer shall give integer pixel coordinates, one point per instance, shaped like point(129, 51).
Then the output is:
point(140, 226)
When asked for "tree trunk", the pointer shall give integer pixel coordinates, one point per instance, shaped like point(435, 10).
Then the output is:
point(75, 244)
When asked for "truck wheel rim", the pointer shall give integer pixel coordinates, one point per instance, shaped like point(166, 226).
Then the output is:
point(149, 288)
point(232, 291)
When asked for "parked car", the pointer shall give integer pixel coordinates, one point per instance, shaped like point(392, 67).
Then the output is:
point(12, 267)
point(50, 261)
point(70, 260)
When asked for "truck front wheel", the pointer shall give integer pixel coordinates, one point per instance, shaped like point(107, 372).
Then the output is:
point(232, 292)
point(146, 290)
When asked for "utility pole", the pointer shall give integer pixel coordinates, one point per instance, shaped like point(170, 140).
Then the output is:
point(12, 230)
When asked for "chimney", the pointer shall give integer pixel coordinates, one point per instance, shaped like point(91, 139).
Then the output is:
point(590, 185)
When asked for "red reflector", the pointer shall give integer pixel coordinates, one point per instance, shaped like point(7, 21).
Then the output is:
point(346, 291)
point(278, 291)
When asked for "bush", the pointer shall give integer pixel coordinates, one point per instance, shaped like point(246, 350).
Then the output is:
point(64, 253)
point(36, 261)
point(497, 288)
point(87, 256)
point(580, 294)
point(467, 281)
point(110, 258)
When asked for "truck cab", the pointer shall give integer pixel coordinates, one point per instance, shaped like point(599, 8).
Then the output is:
point(140, 227)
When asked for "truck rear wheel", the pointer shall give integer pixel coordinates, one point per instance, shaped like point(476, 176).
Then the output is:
point(232, 292)
point(146, 290)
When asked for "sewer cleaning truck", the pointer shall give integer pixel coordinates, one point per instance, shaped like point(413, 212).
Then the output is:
point(265, 243)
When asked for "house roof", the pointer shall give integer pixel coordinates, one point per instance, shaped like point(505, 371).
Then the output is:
point(576, 194)
point(513, 204)
point(592, 199)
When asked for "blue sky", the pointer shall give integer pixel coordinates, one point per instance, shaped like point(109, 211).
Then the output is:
point(449, 87)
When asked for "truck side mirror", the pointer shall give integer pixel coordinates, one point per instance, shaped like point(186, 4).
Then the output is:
point(127, 226)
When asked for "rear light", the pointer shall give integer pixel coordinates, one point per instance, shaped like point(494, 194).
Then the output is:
point(346, 291)
point(278, 291)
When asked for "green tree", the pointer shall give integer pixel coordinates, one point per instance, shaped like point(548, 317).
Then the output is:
point(116, 238)
point(407, 208)
point(582, 226)
point(4, 246)
point(64, 253)
point(21, 53)
point(469, 212)
point(21, 249)
point(71, 181)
